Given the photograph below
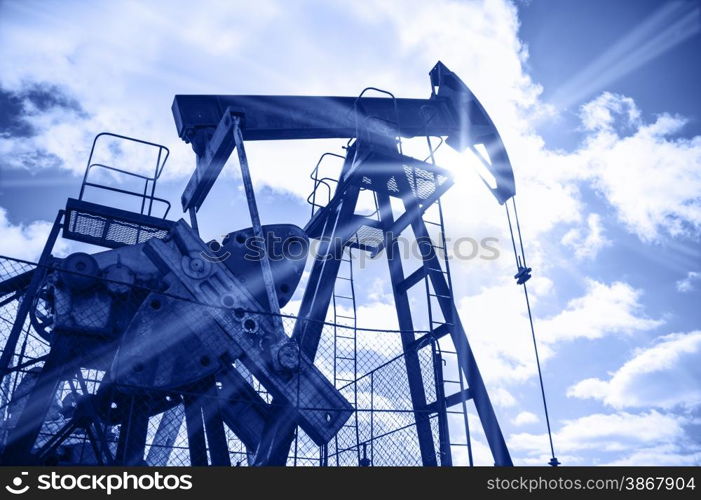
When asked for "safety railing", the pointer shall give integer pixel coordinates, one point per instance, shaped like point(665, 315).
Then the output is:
point(147, 195)
point(319, 201)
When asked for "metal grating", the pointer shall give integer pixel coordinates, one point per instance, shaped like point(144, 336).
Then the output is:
point(368, 236)
point(110, 228)
point(423, 183)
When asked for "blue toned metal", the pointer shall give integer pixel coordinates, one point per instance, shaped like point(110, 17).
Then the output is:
point(343, 354)
point(441, 407)
point(167, 350)
point(377, 125)
point(406, 325)
point(287, 246)
point(451, 110)
point(110, 227)
point(475, 128)
point(337, 230)
point(271, 296)
point(463, 395)
point(381, 167)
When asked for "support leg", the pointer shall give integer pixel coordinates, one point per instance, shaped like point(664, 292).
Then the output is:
point(21, 439)
point(132, 435)
point(214, 426)
point(406, 325)
point(195, 430)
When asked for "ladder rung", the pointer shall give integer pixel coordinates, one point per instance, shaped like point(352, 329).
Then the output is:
point(342, 297)
point(345, 317)
point(343, 278)
point(346, 358)
point(445, 351)
point(432, 223)
point(344, 337)
point(459, 444)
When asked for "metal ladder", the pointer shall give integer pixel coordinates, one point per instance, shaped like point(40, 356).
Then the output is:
point(345, 344)
point(446, 359)
point(344, 321)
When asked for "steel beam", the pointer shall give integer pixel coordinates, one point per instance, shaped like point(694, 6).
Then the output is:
point(132, 434)
point(451, 111)
point(195, 430)
point(406, 325)
point(214, 426)
point(276, 117)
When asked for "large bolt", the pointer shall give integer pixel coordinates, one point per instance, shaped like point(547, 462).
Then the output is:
point(288, 356)
point(196, 265)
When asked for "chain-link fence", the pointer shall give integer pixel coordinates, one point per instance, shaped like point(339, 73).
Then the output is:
point(138, 375)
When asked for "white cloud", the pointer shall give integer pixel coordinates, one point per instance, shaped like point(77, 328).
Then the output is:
point(600, 114)
point(617, 433)
point(525, 418)
point(498, 330)
point(587, 246)
point(664, 375)
point(478, 40)
point(688, 284)
point(378, 315)
point(603, 310)
point(503, 398)
point(651, 177)
point(662, 455)
point(26, 241)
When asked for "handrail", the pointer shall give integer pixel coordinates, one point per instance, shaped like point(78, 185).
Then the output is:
point(311, 199)
point(121, 171)
point(134, 139)
point(161, 159)
point(132, 193)
point(396, 113)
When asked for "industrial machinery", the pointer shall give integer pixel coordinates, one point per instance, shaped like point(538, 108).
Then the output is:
point(164, 349)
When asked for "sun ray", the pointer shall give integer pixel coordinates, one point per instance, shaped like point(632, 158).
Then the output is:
point(666, 28)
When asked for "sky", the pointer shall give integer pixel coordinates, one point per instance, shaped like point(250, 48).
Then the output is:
point(597, 103)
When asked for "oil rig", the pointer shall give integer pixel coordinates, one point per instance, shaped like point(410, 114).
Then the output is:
point(164, 349)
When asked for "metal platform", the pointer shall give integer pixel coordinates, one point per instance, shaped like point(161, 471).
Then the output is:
point(110, 227)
